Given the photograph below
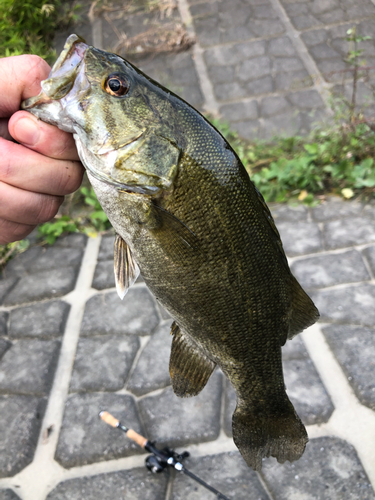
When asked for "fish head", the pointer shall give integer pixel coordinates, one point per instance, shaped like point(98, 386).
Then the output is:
point(120, 118)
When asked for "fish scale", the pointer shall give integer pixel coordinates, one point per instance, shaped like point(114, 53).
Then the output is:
point(188, 216)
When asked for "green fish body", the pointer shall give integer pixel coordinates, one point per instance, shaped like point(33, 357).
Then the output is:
point(190, 219)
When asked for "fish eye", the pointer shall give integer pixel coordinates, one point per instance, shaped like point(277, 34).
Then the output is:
point(116, 85)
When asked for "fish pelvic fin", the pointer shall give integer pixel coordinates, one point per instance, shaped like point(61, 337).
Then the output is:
point(260, 433)
point(189, 367)
point(304, 313)
point(125, 267)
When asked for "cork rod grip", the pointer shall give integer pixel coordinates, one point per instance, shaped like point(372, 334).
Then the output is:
point(137, 438)
point(108, 418)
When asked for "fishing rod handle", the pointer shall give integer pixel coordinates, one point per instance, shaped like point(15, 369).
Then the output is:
point(114, 422)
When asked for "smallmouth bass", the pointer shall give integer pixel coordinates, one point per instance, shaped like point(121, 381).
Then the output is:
point(190, 219)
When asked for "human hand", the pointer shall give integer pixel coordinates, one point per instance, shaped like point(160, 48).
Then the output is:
point(36, 173)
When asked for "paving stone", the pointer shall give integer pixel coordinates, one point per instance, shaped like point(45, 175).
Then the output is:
point(104, 276)
point(6, 286)
point(316, 13)
point(21, 418)
point(85, 439)
point(329, 468)
point(3, 323)
point(286, 124)
point(181, 421)
point(300, 237)
point(134, 484)
point(248, 129)
point(43, 285)
point(74, 240)
point(335, 208)
point(328, 270)
point(107, 314)
point(106, 247)
point(8, 495)
point(227, 472)
point(306, 99)
point(4, 346)
point(42, 259)
point(39, 320)
point(152, 370)
point(354, 349)
point(347, 232)
point(273, 105)
point(263, 85)
point(240, 111)
point(292, 80)
point(306, 391)
point(28, 367)
point(289, 213)
point(294, 349)
point(353, 304)
point(369, 253)
point(103, 363)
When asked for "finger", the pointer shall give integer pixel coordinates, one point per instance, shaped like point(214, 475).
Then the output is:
point(4, 132)
point(39, 136)
point(26, 207)
point(20, 78)
point(26, 169)
point(13, 231)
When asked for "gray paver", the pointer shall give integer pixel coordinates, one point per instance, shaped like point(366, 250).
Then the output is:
point(43, 285)
point(6, 286)
point(28, 367)
point(180, 421)
point(300, 238)
point(3, 323)
point(21, 417)
point(42, 259)
point(104, 276)
point(328, 270)
point(354, 304)
point(351, 231)
point(152, 372)
point(334, 207)
point(8, 495)
point(227, 472)
point(329, 468)
point(4, 346)
point(85, 439)
point(106, 313)
point(40, 320)
point(106, 248)
point(74, 240)
point(103, 363)
point(283, 212)
point(134, 484)
point(369, 253)
point(354, 349)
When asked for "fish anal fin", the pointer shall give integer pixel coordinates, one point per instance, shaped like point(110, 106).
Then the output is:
point(304, 313)
point(125, 267)
point(189, 367)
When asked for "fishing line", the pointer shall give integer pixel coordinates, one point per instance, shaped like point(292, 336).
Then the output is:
point(159, 459)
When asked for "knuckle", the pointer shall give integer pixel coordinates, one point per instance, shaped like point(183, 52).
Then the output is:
point(13, 231)
point(37, 68)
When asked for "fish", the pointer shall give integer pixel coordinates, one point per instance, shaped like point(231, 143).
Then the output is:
point(187, 217)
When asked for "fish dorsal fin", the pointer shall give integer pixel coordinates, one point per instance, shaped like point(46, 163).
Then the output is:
point(189, 367)
point(304, 313)
point(126, 269)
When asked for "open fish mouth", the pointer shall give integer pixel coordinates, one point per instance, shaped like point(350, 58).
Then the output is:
point(63, 73)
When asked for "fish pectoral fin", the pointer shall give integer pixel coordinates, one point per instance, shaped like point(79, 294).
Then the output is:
point(126, 269)
point(189, 367)
point(177, 238)
point(304, 313)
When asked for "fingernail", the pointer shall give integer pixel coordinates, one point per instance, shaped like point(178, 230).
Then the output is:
point(27, 131)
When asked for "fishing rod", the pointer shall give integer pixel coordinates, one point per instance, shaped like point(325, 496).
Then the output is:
point(159, 459)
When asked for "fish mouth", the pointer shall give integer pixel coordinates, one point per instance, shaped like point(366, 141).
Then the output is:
point(63, 73)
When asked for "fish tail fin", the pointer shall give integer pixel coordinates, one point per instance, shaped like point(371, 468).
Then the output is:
point(304, 312)
point(262, 432)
